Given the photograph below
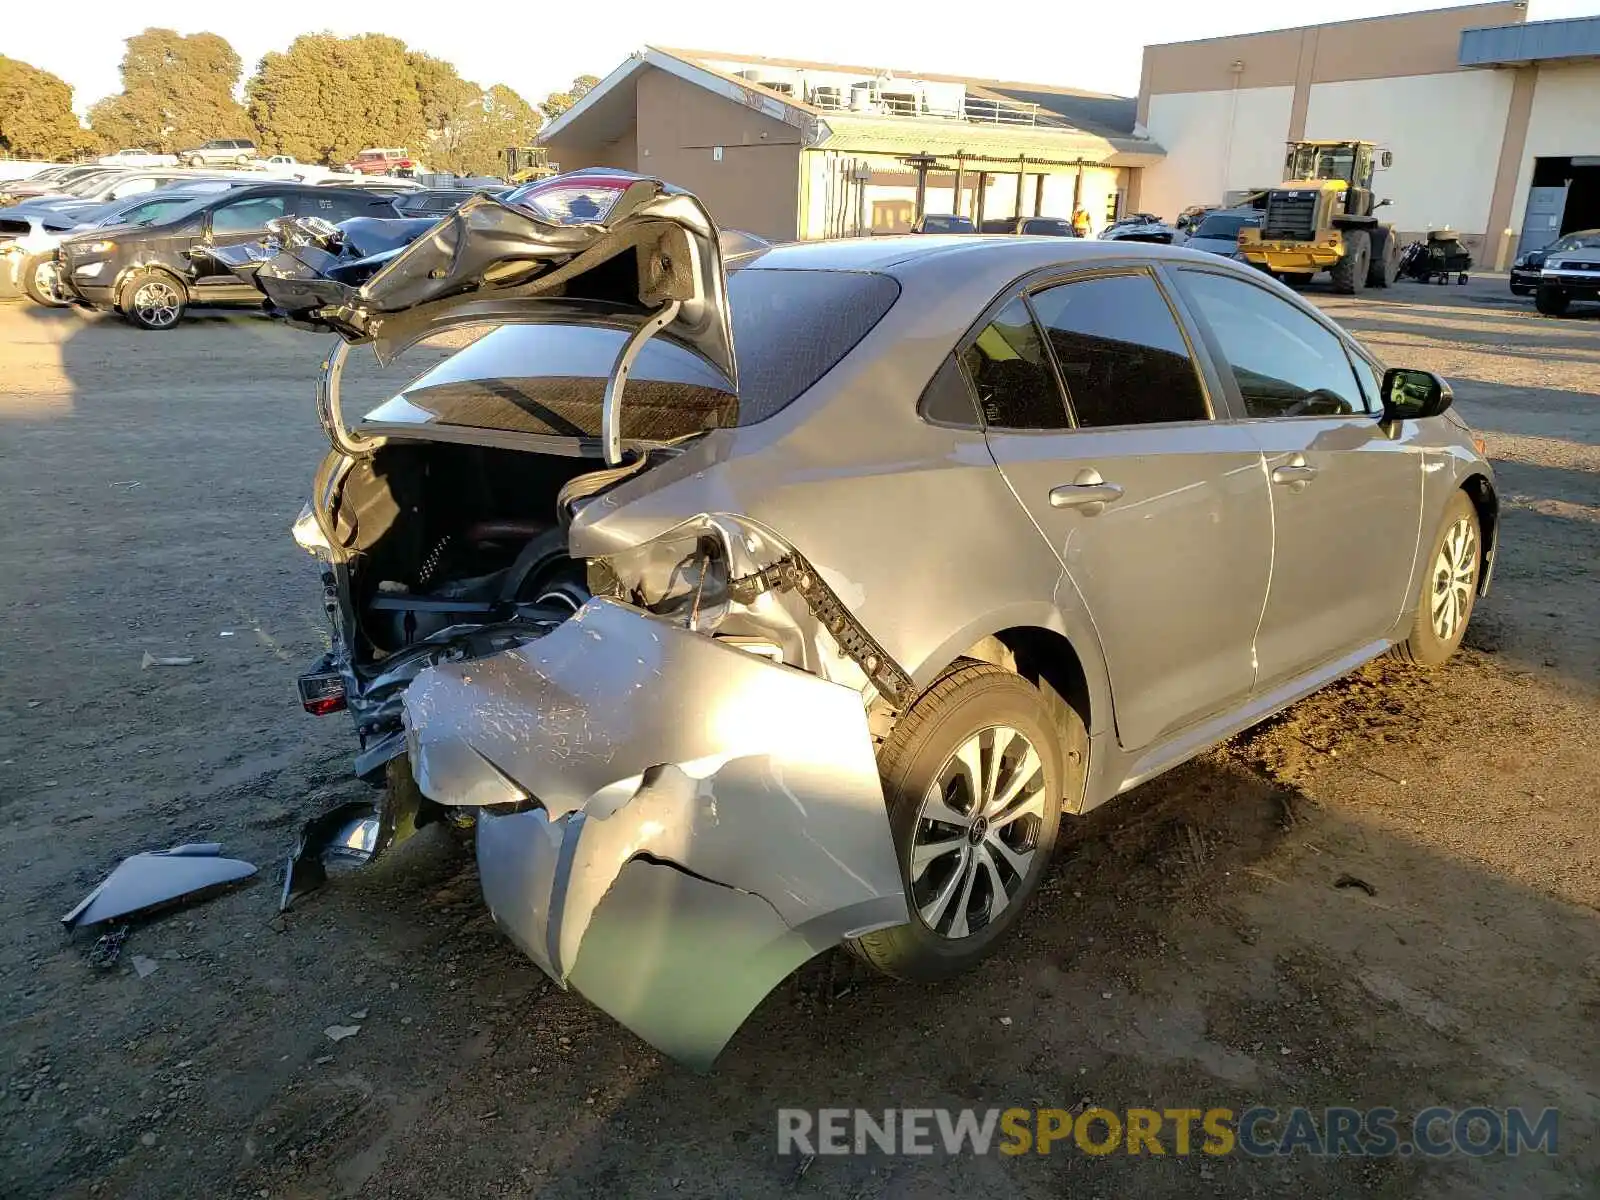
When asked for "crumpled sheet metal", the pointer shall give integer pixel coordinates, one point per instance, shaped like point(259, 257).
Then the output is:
point(708, 819)
point(490, 256)
point(155, 878)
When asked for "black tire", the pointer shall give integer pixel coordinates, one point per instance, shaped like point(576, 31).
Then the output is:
point(152, 300)
point(1296, 279)
point(1426, 645)
point(1551, 301)
point(196, 161)
point(40, 290)
point(1350, 272)
point(970, 701)
point(1520, 289)
point(1385, 262)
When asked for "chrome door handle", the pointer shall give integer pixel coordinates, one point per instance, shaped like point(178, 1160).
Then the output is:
point(1295, 471)
point(1293, 474)
point(1087, 492)
point(1078, 495)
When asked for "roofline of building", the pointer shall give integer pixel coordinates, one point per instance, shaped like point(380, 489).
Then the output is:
point(762, 100)
point(1585, 53)
point(1413, 12)
point(699, 56)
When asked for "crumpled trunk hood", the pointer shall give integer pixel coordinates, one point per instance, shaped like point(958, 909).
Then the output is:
point(490, 257)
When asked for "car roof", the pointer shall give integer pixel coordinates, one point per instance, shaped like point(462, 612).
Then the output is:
point(904, 254)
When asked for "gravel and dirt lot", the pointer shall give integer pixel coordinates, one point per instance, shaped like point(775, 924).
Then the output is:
point(1200, 943)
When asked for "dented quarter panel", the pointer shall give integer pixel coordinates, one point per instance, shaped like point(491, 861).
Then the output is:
point(851, 467)
point(653, 753)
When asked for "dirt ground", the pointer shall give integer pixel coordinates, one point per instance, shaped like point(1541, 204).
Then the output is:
point(1192, 949)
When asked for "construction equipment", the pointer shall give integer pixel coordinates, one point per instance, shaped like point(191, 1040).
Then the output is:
point(528, 162)
point(1321, 219)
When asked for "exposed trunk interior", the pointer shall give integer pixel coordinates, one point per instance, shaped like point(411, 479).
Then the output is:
point(452, 535)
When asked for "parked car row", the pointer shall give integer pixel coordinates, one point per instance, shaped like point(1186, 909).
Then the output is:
point(138, 241)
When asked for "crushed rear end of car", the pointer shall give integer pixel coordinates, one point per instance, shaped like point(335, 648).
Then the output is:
point(661, 740)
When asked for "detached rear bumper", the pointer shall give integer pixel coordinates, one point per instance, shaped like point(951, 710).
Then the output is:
point(670, 825)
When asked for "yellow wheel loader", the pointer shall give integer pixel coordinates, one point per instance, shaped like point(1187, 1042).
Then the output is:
point(524, 163)
point(1321, 219)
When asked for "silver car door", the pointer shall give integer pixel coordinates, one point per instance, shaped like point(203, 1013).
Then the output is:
point(1346, 495)
point(1158, 513)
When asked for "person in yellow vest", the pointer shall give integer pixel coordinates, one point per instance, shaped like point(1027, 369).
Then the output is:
point(1080, 222)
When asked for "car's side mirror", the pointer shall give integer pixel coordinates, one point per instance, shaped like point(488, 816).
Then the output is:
point(1383, 202)
point(1410, 395)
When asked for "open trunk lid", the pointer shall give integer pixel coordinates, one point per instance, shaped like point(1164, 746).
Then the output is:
point(591, 247)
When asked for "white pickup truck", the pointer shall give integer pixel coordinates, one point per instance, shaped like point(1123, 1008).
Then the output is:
point(138, 158)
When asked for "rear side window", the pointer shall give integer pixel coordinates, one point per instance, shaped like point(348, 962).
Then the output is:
point(789, 329)
point(1010, 371)
point(1121, 354)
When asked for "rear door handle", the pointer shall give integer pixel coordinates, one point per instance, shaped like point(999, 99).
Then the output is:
point(1076, 495)
point(1087, 492)
point(1295, 471)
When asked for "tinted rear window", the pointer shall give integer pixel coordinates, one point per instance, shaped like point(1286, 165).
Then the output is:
point(789, 329)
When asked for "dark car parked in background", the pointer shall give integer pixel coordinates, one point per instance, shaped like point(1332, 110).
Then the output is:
point(435, 202)
point(150, 273)
point(1527, 267)
point(1218, 231)
point(1031, 226)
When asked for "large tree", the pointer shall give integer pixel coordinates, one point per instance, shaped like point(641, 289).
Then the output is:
point(557, 103)
point(325, 98)
point(176, 93)
point(474, 137)
point(36, 119)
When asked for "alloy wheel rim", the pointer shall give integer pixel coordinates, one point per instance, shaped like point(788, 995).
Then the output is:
point(1455, 570)
point(48, 279)
point(156, 304)
point(977, 832)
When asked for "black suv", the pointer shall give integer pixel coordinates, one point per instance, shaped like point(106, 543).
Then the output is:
point(149, 273)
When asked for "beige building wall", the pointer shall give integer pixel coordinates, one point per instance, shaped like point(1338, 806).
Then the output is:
point(1392, 80)
point(743, 165)
point(1444, 130)
point(1563, 122)
point(1216, 142)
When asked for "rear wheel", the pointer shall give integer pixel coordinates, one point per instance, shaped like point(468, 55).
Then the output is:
point(1520, 289)
point(1296, 279)
point(1350, 272)
point(1449, 586)
point(152, 300)
point(41, 279)
point(974, 776)
point(1551, 301)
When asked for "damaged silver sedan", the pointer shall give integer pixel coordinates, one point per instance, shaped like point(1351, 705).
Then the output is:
point(752, 600)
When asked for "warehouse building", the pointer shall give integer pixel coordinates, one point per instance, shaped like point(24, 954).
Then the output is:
point(1493, 122)
point(790, 149)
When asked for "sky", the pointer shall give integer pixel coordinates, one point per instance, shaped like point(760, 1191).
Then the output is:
point(1089, 44)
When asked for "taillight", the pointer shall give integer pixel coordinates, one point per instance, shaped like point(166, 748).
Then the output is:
point(321, 693)
point(575, 199)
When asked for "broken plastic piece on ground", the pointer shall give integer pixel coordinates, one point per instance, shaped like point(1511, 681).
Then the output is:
point(158, 877)
point(342, 838)
point(354, 833)
point(150, 660)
